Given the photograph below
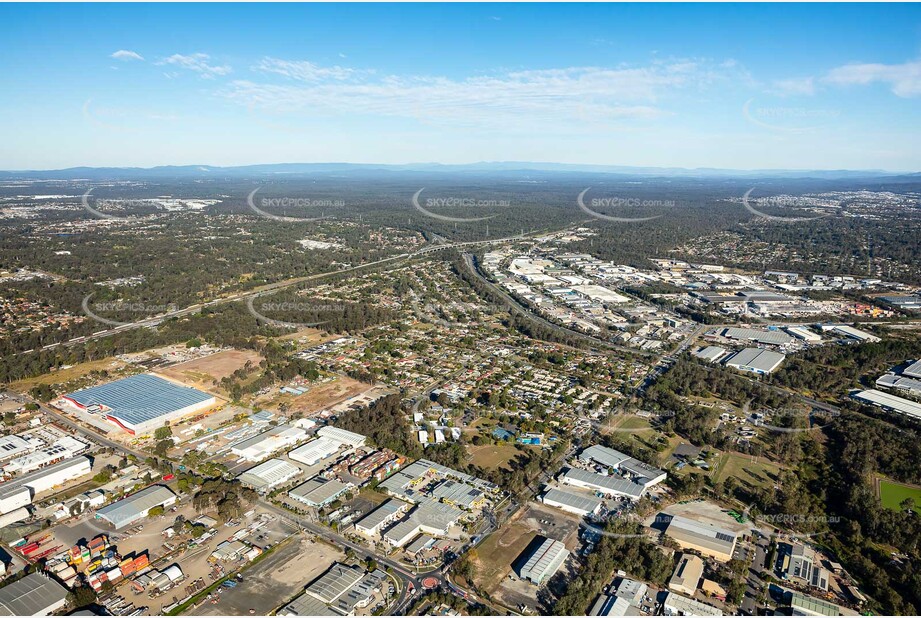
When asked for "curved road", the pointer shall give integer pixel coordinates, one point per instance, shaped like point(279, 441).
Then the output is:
point(272, 287)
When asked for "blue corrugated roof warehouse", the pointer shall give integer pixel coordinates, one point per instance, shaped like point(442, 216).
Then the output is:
point(142, 402)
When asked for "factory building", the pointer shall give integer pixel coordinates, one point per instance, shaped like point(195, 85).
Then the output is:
point(711, 353)
point(799, 563)
point(677, 605)
point(850, 332)
point(572, 503)
point(459, 494)
point(803, 333)
point(624, 600)
point(342, 437)
point(913, 370)
point(268, 442)
point(334, 583)
point(406, 483)
point(889, 402)
point(35, 594)
point(901, 383)
point(12, 517)
point(755, 360)
point(687, 574)
point(13, 493)
point(64, 448)
point(375, 521)
point(140, 404)
point(766, 337)
point(14, 498)
point(429, 517)
point(314, 451)
point(630, 468)
point(14, 445)
point(307, 605)
point(614, 486)
point(319, 492)
point(544, 561)
point(706, 539)
point(135, 507)
point(269, 475)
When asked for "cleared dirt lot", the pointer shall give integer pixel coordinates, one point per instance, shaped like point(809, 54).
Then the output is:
point(203, 372)
point(318, 398)
point(496, 556)
point(274, 581)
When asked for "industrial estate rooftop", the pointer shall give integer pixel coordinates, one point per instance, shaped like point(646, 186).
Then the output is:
point(139, 399)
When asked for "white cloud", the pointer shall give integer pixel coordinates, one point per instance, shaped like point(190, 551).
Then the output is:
point(543, 97)
point(904, 79)
point(126, 54)
point(303, 70)
point(200, 63)
point(795, 86)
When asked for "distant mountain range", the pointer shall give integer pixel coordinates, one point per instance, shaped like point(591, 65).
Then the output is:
point(483, 168)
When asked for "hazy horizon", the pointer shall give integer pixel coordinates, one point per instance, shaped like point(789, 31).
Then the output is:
point(794, 86)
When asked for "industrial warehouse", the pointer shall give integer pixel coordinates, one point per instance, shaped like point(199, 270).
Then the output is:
point(140, 404)
point(319, 492)
point(572, 503)
point(429, 517)
point(269, 475)
point(717, 543)
point(314, 451)
point(755, 360)
point(630, 468)
point(889, 402)
point(268, 442)
point(20, 492)
point(136, 506)
point(613, 486)
point(544, 561)
point(385, 514)
point(35, 594)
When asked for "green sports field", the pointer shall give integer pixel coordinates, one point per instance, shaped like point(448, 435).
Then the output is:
point(891, 494)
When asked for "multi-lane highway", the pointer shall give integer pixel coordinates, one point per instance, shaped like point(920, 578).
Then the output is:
point(268, 289)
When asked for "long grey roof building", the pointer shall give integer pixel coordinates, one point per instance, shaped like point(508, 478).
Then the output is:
point(35, 594)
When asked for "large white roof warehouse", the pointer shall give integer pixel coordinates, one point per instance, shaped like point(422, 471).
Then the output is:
point(544, 562)
point(139, 404)
point(769, 337)
point(608, 485)
point(755, 360)
point(342, 436)
point(889, 402)
point(268, 442)
point(269, 475)
point(315, 451)
point(136, 506)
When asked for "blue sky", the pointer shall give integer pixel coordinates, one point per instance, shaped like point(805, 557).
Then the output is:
point(717, 85)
